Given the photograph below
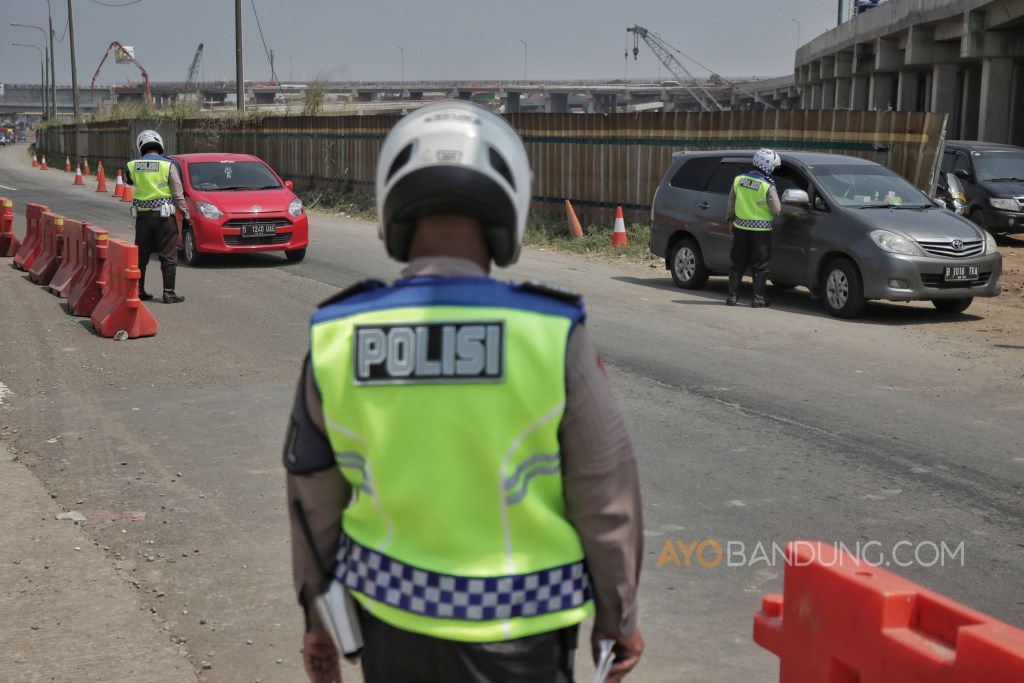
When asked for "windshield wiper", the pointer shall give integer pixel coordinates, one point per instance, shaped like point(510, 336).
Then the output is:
point(875, 206)
point(1006, 180)
point(269, 187)
point(224, 189)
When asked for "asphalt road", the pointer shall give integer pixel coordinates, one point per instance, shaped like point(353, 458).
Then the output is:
point(750, 427)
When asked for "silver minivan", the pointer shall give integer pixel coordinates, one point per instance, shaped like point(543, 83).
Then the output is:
point(850, 231)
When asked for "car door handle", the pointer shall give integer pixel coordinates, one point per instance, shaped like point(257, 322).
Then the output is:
point(704, 205)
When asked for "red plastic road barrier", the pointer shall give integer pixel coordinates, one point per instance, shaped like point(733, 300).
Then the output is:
point(842, 620)
point(72, 263)
point(52, 236)
point(88, 290)
point(9, 244)
point(120, 308)
point(33, 243)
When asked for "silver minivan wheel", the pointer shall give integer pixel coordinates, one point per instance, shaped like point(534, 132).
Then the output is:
point(837, 289)
point(842, 289)
point(685, 263)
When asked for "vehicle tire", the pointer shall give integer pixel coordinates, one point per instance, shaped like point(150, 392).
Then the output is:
point(842, 291)
point(977, 217)
point(295, 255)
point(686, 262)
point(953, 305)
point(189, 249)
point(783, 285)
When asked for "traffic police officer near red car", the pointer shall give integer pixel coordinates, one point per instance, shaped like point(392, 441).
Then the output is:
point(157, 195)
point(464, 432)
point(753, 203)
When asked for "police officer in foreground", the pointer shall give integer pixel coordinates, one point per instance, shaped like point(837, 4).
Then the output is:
point(157, 195)
point(463, 430)
point(753, 203)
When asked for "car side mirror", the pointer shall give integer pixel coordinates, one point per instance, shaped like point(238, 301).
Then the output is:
point(963, 173)
point(796, 198)
point(289, 185)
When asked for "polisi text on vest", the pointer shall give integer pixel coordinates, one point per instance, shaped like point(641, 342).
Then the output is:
point(429, 353)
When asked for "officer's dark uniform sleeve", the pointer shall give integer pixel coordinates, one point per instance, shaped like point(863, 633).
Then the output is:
point(313, 479)
point(602, 491)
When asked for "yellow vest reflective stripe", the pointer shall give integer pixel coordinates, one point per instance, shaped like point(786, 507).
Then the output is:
point(442, 399)
point(752, 210)
point(150, 175)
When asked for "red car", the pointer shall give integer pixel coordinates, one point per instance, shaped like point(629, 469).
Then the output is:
point(238, 205)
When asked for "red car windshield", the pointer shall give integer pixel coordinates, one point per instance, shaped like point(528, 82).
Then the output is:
point(216, 176)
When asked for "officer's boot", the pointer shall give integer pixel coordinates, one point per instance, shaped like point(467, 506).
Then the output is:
point(759, 300)
point(170, 297)
point(143, 294)
point(734, 288)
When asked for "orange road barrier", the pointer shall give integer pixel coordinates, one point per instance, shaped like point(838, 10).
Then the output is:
point(575, 229)
point(119, 185)
point(67, 164)
point(9, 244)
point(88, 290)
point(79, 180)
point(126, 195)
point(35, 160)
point(52, 236)
point(101, 179)
point(619, 238)
point(33, 243)
point(85, 161)
point(841, 619)
point(42, 164)
point(72, 263)
point(120, 308)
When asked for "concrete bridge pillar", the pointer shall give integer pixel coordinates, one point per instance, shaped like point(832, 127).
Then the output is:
point(969, 104)
point(828, 94)
point(859, 93)
point(906, 91)
point(512, 102)
point(882, 95)
point(556, 103)
point(465, 95)
point(994, 117)
point(843, 93)
point(944, 77)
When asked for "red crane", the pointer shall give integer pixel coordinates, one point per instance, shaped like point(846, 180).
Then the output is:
point(126, 54)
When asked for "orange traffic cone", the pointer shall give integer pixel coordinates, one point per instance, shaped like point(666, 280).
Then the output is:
point(101, 179)
point(619, 238)
point(575, 229)
point(67, 164)
point(119, 185)
point(42, 164)
point(126, 196)
point(79, 180)
point(88, 171)
point(35, 160)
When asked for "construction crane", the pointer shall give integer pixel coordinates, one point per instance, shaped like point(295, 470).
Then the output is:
point(193, 69)
point(663, 51)
point(124, 54)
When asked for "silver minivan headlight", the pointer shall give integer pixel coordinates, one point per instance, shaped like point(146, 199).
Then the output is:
point(990, 243)
point(895, 244)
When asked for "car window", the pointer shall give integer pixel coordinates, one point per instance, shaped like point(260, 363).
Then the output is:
point(1005, 166)
point(721, 180)
point(788, 178)
point(231, 175)
point(961, 163)
point(694, 173)
point(948, 159)
point(868, 185)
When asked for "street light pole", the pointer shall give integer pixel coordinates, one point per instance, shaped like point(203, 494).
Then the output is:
point(797, 31)
point(526, 53)
point(74, 64)
point(239, 85)
point(42, 71)
point(53, 67)
point(403, 63)
point(46, 66)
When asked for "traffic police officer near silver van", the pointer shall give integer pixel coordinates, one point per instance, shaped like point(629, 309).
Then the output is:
point(157, 194)
point(464, 432)
point(753, 203)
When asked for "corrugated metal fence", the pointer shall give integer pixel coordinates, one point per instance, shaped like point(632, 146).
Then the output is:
point(596, 160)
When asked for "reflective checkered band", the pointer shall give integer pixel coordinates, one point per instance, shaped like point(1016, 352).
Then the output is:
point(151, 204)
point(445, 596)
point(758, 225)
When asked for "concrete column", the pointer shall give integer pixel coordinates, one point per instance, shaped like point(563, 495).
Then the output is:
point(969, 105)
point(859, 93)
point(557, 103)
point(1017, 108)
point(805, 97)
point(906, 91)
point(415, 95)
point(512, 103)
point(881, 91)
point(843, 93)
point(828, 94)
point(465, 94)
point(816, 96)
point(996, 97)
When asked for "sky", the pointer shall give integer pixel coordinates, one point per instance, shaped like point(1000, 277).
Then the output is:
point(442, 39)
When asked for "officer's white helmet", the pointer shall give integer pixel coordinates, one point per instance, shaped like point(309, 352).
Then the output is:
point(149, 137)
point(766, 160)
point(454, 157)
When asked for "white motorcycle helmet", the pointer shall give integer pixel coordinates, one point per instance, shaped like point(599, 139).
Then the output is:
point(454, 157)
point(149, 138)
point(766, 160)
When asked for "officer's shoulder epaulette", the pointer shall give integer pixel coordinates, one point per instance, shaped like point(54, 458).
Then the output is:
point(554, 291)
point(358, 288)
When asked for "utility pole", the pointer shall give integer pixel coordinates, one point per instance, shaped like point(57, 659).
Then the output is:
point(239, 83)
point(526, 54)
point(42, 71)
point(74, 64)
point(46, 67)
point(53, 68)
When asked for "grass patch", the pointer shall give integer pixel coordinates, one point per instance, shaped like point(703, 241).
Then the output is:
point(545, 230)
point(353, 203)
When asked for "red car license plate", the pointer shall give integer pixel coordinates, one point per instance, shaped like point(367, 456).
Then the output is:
point(960, 273)
point(259, 230)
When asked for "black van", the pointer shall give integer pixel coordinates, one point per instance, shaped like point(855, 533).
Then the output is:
point(992, 176)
